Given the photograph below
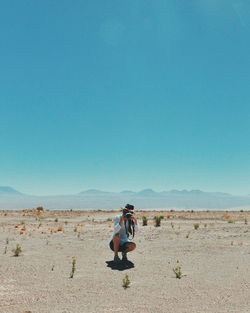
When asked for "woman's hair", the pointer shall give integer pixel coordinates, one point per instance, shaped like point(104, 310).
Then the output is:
point(130, 228)
point(129, 207)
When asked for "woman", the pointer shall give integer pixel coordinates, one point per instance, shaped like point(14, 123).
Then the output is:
point(124, 225)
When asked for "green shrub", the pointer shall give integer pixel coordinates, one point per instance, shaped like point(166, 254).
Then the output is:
point(196, 226)
point(109, 219)
point(177, 271)
point(73, 268)
point(125, 282)
point(18, 250)
point(157, 220)
point(144, 221)
point(56, 220)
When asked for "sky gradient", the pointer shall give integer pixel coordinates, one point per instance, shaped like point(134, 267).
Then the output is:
point(120, 95)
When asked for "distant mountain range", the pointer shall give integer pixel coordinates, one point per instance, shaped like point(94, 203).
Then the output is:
point(144, 199)
point(151, 192)
point(6, 190)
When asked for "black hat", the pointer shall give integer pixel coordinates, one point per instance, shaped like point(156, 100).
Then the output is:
point(129, 207)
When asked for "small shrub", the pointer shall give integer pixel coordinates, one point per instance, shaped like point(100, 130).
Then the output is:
point(73, 268)
point(7, 241)
point(144, 221)
point(246, 222)
point(196, 226)
point(177, 271)
point(22, 223)
point(52, 268)
point(230, 221)
point(75, 229)
point(109, 219)
point(66, 222)
point(157, 220)
point(172, 225)
point(78, 235)
point(125, 282)
point(205, 225)
point(18, 250)
point(187, 235)
point(5, 250)
point(56, 220)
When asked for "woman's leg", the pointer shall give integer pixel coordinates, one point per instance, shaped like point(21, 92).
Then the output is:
point(116, 242)
point(129, 246)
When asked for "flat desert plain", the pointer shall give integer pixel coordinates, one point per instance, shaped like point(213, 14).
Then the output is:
point(214, 261)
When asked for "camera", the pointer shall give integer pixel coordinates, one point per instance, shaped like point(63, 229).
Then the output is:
point(127, 214)
point(128, 211)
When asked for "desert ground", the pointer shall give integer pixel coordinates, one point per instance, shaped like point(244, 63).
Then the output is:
point(213, 259)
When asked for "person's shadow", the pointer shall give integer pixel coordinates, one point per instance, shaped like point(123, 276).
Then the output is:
point(121, 266)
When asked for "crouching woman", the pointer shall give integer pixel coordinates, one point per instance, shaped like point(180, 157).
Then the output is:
point(124, 225)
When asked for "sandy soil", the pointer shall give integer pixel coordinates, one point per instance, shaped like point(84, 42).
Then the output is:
point(214, 261)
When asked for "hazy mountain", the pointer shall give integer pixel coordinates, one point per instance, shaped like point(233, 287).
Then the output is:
point(6, 190)
point(127, 192)
point(93, 191)
point(144, 199)
point(147, 193)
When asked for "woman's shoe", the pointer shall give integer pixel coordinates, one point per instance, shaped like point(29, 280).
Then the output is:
point(124, 257)
point(117, 259)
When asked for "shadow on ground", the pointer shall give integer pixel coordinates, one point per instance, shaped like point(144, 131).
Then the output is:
point(122, 266)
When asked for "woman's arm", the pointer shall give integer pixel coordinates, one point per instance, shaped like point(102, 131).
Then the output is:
point(117, 224)
point(121, 221)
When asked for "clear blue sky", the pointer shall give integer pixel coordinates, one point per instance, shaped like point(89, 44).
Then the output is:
point(115, 94)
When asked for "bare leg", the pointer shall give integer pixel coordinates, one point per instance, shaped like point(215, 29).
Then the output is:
point(130, 247)
point(116, 242)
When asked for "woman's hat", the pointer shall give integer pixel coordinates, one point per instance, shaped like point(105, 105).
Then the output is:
point(129, 207)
